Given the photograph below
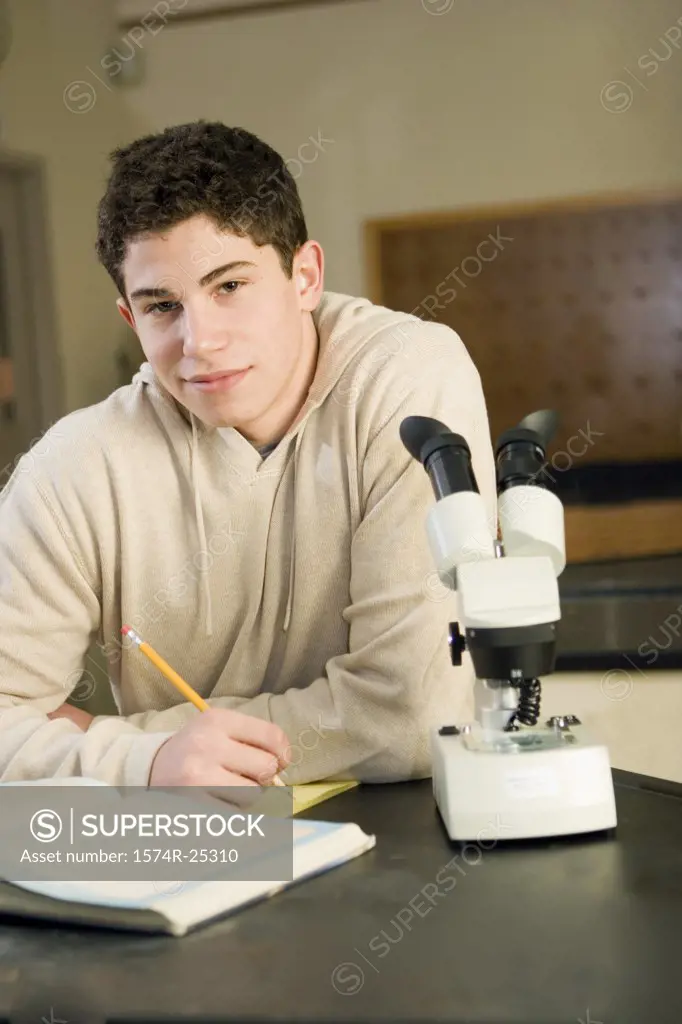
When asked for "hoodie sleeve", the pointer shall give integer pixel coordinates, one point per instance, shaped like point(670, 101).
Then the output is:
point(369, 716)
point(49, 612)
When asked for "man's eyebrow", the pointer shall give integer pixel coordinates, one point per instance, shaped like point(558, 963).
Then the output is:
point(161, 293)
point(217, 271)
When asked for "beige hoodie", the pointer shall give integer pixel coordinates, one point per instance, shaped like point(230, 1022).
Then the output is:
point(297, 588)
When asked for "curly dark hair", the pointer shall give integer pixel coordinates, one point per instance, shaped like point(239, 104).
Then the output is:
point(227, 174)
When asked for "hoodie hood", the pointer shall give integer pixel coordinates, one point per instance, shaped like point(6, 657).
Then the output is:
point(346, 326)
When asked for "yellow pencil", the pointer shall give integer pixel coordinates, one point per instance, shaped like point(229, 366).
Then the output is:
point(173, 677)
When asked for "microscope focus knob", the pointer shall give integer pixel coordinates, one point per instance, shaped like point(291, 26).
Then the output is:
point(457, 644)
point(562, 721)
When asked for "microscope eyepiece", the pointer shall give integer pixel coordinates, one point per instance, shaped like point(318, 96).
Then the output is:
point(520, 459)
point(416, 431)
point(446, 456)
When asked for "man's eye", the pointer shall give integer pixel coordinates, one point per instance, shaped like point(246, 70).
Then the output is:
point(161, 307)
point(231, 286)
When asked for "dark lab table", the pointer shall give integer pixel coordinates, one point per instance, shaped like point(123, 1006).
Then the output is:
point(545, 932)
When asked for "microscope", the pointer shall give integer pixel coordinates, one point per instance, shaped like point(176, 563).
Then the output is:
point(539, 780)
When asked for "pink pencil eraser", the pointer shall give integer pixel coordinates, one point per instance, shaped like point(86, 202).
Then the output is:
point(125, 630)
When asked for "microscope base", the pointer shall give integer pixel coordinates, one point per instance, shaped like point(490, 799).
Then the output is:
point(560, 786)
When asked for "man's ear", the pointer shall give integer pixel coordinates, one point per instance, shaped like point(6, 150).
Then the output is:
point(309, 271)
point(126, 313)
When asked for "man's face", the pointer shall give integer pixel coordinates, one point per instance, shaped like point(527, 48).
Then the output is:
point(205, 304)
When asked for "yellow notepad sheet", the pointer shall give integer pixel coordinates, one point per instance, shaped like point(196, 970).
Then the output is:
point(315, 792)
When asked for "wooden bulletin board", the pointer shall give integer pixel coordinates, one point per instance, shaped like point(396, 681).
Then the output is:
point(580, 310)
point(574, 305)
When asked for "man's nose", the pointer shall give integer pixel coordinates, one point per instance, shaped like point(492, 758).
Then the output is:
point(203, 331)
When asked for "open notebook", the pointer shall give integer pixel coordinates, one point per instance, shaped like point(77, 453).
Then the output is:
point(176, 908)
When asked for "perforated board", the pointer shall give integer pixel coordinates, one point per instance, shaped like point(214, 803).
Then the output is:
point(575, 306)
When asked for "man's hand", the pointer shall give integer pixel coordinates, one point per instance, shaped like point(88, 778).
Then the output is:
point(221, 748)
point(76, 715)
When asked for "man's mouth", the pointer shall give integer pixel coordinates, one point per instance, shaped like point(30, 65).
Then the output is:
point(219, 380)
point(202, 378)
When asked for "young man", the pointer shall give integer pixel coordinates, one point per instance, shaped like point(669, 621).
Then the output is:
point(246, 504)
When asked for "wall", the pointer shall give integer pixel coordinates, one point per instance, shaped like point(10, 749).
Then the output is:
point(486, 102)
point(408, 110)
point(53, 106)
point(635, 715)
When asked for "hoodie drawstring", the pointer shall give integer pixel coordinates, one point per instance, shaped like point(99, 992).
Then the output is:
point(201, 528)
point(292, 557)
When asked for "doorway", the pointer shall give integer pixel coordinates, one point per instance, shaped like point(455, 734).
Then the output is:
point(31, 396)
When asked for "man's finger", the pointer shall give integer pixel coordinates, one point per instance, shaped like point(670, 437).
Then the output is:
point(254, 731)
point(76, 715)
point(215, 777)
point(247, 760)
